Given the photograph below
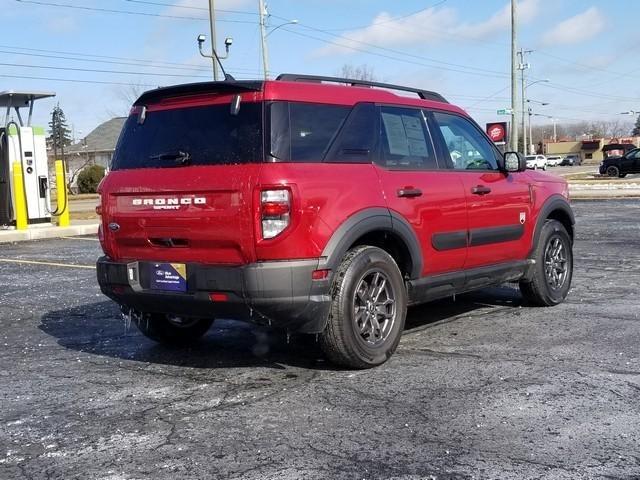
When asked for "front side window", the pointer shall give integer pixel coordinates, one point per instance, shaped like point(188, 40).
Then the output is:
point(405, 143)
point(465, 144)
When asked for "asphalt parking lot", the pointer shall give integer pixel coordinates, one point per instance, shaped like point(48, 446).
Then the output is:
point(482, 387)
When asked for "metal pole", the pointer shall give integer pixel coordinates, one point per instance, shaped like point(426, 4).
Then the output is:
point(555, 133)
point(263, 35)
point(530, 130)
point(514, 83)
point(524, 130)
point(212, 22)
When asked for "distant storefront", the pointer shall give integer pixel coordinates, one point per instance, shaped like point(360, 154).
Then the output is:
point(593, 151)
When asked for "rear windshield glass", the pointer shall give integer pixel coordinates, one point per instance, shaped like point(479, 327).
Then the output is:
point(208, 135)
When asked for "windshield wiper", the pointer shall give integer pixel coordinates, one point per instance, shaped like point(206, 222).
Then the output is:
point(180, 157)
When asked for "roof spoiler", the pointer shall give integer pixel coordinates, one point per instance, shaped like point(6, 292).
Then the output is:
point(423, 94)
point(225, 86)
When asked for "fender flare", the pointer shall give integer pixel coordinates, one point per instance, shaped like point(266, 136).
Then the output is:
point(553, 203)
point(367, 221)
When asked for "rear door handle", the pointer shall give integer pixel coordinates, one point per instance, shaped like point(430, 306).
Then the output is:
point(480, 190)
point(409, 192)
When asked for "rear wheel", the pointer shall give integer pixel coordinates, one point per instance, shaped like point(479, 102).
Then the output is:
point(172, 330)
point(613, 171)
point(368, 309)
point(553, 269)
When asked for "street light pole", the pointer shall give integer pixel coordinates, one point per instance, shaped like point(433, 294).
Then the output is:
point(263, 35)
point(212, 23)
point(522, 67)
point(514, 88)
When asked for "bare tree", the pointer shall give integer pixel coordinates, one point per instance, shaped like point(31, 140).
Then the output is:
point(576, 130)
point(125, 96)
point(358, 72)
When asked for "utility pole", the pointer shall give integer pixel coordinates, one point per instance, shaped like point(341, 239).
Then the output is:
point(514, 83)
point(212, 21)
point(522, 66)
point(263, 35)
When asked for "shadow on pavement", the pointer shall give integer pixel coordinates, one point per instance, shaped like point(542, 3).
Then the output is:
point(98, 328)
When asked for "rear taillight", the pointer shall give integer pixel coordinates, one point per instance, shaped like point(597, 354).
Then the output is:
point(275, 211)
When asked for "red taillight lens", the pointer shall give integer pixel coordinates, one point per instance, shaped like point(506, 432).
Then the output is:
point(218, 297)
point(275, 211)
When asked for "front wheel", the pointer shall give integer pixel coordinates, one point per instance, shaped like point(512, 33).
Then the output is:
point(368, 309)
point(172, 330)
point(553, 269)
point(613, 171)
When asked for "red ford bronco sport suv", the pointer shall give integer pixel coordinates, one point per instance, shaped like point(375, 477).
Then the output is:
point(318, 205)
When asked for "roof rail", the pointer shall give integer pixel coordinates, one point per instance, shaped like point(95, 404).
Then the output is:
point(423, 94)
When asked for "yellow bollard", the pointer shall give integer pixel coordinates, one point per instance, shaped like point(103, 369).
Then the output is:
point(63, 204)
point(19, 199)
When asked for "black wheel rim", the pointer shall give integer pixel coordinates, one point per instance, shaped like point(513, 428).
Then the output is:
point(556, 263)
point(374, 307)
point(612, 172)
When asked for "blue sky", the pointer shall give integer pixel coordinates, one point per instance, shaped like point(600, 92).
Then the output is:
point(589, 51)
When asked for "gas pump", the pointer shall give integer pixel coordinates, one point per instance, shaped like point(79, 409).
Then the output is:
point(23, 144)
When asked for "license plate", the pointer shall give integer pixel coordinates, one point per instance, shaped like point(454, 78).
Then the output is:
point(170, 277)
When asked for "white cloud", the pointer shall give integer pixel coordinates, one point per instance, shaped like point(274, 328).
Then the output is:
point(576, 29)
point(431, 25)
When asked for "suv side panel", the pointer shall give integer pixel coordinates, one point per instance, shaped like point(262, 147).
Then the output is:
point(498, 204)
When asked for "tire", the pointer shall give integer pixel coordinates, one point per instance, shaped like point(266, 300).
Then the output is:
point(612, 171)
point(544, 167)
point(553, 269)
point(363, 329)
point(172, 331)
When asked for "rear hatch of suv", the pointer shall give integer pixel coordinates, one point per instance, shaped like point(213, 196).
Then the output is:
point(183, 174)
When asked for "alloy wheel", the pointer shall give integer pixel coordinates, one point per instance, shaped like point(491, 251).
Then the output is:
point(556, 263)
point(374, 307)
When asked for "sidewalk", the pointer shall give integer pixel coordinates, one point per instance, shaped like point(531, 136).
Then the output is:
point(47, 230)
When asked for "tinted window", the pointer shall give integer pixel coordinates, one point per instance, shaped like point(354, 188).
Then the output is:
point(465, 144)
point(356, 141)
point(210, 135)
point(303, 132)
point(404, 140)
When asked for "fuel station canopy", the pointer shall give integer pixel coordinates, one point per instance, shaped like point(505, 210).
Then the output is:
point(18, 99)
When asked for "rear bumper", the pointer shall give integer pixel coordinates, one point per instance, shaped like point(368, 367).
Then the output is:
point(282, 294)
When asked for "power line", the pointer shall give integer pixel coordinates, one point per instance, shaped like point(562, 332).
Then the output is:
point(350, 47)
point(92, 55)
point(92, 70)
point(390, 50)
point(191, 7)
point(112, 62)
point(74, 80)
point(394, 19)
point(125, 12)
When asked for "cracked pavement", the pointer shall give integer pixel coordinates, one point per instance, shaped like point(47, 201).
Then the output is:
point(480, 387)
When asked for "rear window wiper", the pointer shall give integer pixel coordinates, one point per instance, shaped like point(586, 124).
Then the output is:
point(178, 156)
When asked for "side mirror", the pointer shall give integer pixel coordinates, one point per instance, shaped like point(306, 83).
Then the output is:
point(514, 162)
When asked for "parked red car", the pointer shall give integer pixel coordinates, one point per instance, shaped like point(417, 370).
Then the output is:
point(318, 205)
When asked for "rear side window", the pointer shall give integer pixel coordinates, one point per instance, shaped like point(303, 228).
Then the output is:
point(303, 132)
point(405, 143)
point(209, 135)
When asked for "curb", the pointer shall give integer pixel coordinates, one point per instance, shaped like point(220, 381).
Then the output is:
point(9, 236)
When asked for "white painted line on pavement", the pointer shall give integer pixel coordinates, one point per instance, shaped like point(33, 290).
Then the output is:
point(51, 264)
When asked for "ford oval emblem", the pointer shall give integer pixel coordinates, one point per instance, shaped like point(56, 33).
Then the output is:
point(114, 227)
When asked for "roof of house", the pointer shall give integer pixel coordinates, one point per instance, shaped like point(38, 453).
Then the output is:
point(102, 138)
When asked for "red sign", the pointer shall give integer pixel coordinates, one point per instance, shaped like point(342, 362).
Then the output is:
point(497, 132)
